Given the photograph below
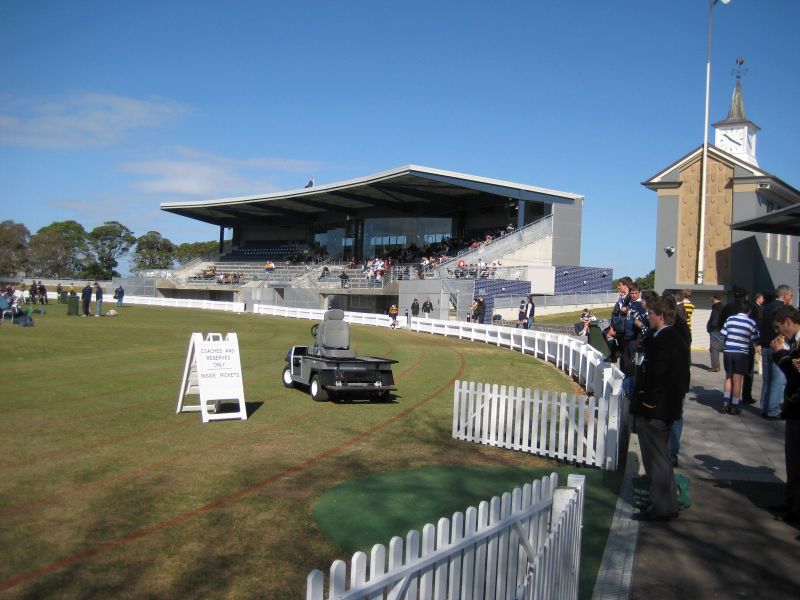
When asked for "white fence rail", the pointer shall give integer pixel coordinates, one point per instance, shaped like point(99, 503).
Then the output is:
point(317, 314)
point(523, 545)
point(180, 303)
point(577, 359)
point(562, 426)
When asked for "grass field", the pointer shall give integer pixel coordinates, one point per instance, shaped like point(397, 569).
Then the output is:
point(106, 492)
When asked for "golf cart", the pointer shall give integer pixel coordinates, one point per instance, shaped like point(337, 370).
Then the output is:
point(331, 369)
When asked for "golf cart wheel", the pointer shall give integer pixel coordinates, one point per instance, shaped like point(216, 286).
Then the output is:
point(287, 378)
point(318, 393)
point(382, 396)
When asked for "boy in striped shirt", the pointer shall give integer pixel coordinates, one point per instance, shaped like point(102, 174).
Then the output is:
point(740, 332)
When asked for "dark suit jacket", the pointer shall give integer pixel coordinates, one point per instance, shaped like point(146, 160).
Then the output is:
point(665, 377)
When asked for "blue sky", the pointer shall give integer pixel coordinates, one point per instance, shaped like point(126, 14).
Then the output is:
point(108, 109)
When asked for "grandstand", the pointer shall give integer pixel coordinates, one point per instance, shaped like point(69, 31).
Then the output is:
point(367, 243)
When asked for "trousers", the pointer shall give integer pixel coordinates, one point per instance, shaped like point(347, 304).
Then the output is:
point(654, 442)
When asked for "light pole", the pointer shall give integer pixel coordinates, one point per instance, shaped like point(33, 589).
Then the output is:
point(701, 250)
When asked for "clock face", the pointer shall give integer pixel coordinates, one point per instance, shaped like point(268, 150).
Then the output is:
point(731, 140)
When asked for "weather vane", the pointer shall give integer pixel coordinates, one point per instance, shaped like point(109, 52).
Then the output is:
point(739, 71)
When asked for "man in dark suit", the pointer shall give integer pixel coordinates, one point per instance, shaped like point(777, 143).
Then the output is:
point(656, 405)
point(786, 356)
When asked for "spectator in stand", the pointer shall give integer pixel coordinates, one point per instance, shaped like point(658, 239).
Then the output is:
point(773, 379)
point(344, 278)
point(740, 333)
point(713, 326)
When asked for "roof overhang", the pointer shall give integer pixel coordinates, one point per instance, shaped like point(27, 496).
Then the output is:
point(786, 221)
point(404, 191)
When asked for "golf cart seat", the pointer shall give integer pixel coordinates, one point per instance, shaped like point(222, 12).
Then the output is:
point(333, 336)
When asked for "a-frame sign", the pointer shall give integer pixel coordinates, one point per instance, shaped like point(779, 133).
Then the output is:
point(214, 373)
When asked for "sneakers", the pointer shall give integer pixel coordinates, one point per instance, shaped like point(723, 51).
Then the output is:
point(713, 370)
point(734, 410)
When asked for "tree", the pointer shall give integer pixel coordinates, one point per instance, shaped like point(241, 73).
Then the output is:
point(14, 239)
point(153, 252)
point(50, 255)
point(187, 252)
point(648, 281)
point(108, 242)
point(73, 242)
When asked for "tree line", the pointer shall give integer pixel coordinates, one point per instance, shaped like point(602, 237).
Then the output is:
point(65, 250)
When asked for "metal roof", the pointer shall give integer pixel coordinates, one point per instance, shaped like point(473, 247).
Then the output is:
point(406, 191)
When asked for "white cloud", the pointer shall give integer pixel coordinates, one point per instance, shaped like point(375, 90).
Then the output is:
point(194, 172)
point(80, 120)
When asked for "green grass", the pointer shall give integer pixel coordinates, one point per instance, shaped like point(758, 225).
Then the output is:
point(106, 492)
point(571, 318)
point(362, 512)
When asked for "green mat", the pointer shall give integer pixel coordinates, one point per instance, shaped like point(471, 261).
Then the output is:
point(362, 512)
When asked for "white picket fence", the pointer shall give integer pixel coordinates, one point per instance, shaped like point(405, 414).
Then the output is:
point(580, 429)
point(237, 307)
point(563, 426)
point(359, 318)
point(524, 545)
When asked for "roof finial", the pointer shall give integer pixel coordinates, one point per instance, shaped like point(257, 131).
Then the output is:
point(736, 111)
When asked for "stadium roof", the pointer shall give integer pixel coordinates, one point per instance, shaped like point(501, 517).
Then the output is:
point(407, 191)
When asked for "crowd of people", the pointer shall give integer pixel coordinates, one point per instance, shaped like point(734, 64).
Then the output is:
point(650, 336)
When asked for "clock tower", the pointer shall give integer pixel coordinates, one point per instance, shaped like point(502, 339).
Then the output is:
point(737, 135)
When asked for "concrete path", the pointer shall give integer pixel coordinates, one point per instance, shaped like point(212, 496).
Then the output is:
point(727, 545)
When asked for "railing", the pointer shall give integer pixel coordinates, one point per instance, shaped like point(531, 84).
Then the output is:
point(317, 314)
point(575, 357)
point(561, 426)
point(184, 303)
point(510, 547)
point(501, 246)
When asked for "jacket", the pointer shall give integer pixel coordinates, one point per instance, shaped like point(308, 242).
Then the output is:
point(791, 392)
point(665, 376)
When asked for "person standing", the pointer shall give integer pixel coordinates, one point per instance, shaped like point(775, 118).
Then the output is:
point(740, 333)
point(393, 315)
point(427, 308)
point(480, 311)
point(119, 294)
point(688, 307)
point(714, 338)
point(656, 405)
point(530, 312)
point(786, 319)
point(98, 300)
point(86, 298)
point(42, 293)
point(773, 379)
point(415, 309)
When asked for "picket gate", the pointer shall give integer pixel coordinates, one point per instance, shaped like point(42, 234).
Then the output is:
point(508, 547)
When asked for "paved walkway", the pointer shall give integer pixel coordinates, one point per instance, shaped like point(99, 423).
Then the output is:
point(727, 545)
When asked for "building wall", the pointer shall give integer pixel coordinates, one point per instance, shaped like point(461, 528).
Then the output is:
point(567, 233)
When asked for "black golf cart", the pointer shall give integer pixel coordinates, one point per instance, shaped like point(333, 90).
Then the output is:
point(332, 370)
